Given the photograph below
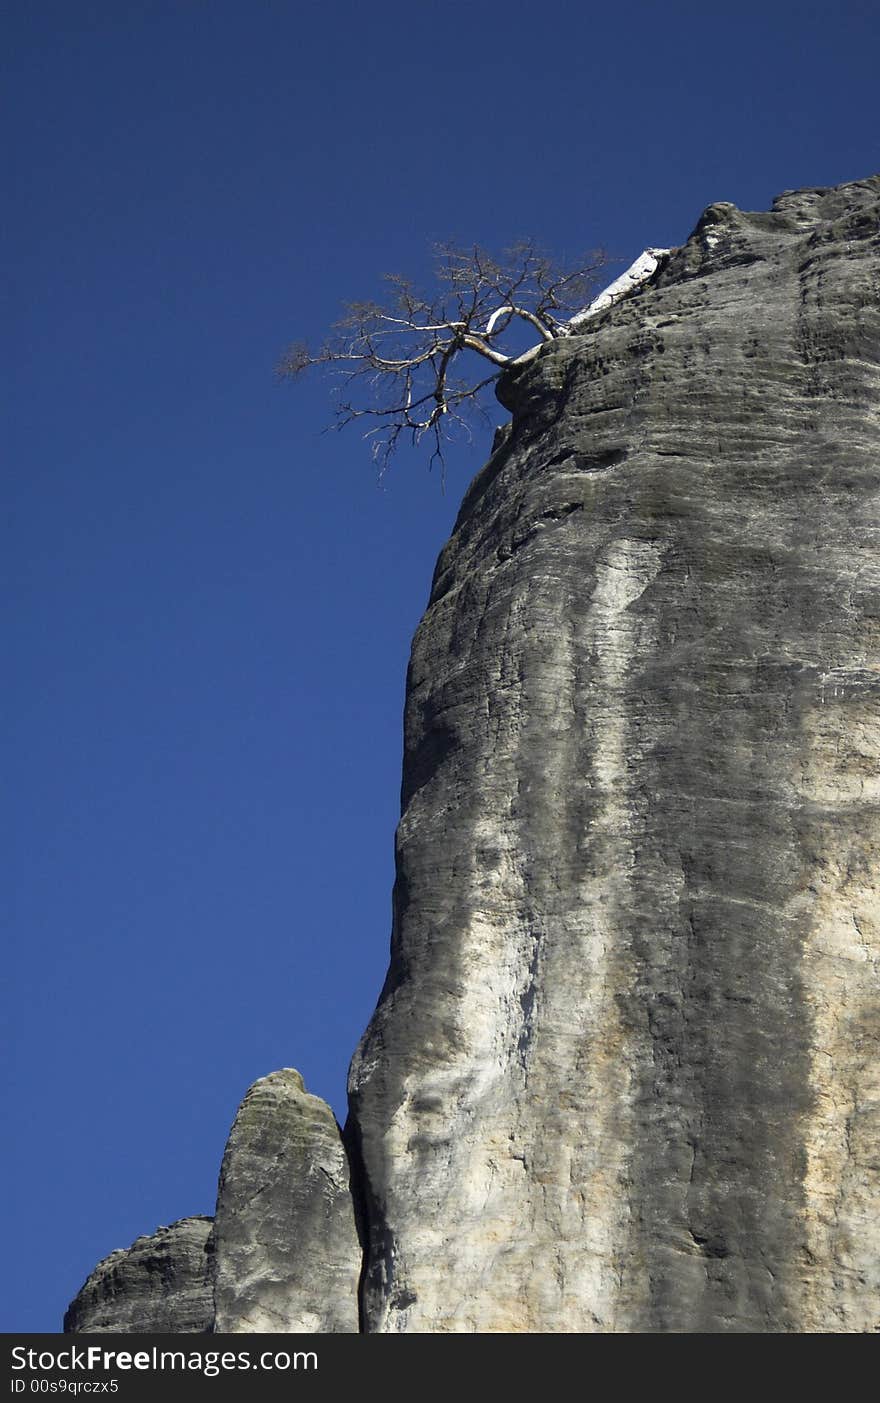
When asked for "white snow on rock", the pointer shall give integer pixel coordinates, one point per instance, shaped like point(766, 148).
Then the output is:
point(639, 272)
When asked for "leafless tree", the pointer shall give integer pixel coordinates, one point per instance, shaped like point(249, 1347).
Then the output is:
point(411, 367)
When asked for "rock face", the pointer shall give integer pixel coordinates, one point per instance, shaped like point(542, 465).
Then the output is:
point(285, 1247)
point(623, 1074)
point(281, 1254)
point(158, 1286)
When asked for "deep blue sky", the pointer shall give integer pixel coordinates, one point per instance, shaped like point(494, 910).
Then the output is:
point(207, 604)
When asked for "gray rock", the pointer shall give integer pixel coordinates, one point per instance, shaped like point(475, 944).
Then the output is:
point(623, 1074)
point(158, 1286)
point(285, 1247)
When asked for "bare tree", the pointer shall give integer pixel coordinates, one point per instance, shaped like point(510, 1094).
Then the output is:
point(410, 368)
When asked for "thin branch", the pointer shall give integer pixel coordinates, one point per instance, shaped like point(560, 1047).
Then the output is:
point(401, 356)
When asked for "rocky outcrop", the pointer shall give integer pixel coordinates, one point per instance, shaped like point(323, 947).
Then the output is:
point(285, 1245)
point(623, 1074)
point(281, 1255)
point(158, 1286)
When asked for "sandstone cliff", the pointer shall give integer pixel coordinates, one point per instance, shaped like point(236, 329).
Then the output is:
point(623, 1074)
point(281, 1254)
point(160, 1285)
point(286, 1256)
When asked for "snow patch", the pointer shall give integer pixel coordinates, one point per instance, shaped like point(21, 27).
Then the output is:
point(639, 272)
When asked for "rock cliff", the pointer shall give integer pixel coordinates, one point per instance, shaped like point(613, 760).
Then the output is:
point(281, 1254)
point(623, 1075)
point(160, 1285)
point(286, 1256)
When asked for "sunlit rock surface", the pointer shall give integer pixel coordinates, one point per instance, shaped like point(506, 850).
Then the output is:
point(281, 1255)
point(623, 1075)
point(286, 1256)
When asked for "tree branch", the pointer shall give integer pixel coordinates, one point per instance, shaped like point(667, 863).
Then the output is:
point(402, 355)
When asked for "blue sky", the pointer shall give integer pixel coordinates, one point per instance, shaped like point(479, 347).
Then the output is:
point(207, 602)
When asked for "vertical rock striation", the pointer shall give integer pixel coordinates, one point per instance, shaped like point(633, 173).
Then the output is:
point(623, 1074)
point(285, 1250)
point(158, 1286)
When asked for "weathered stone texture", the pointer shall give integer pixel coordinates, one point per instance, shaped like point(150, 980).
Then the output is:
point(158, 1286)
point(285, 1249)
point(281, 1254)
point(623, 1075)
